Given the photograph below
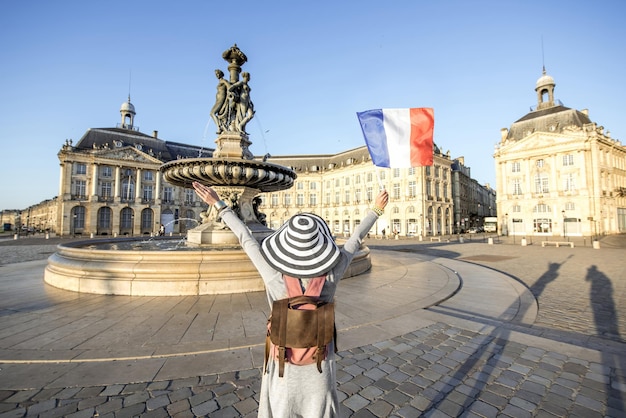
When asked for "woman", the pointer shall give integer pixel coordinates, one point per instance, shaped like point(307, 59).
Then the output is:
point(218, 112)
point(303, 248)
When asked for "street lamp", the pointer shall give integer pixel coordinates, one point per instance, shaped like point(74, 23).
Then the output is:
point(564, 229)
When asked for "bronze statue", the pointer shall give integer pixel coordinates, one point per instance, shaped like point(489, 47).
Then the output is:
point(233, 108)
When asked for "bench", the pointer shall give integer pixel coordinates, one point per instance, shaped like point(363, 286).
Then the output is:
point(435, 239)
point(557, 243)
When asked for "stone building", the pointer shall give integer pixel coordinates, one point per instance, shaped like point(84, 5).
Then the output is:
point(110, 183)
point(558, 173)
point(340, 187)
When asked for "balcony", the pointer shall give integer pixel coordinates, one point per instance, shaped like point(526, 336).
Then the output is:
point(106, 199)
point(78, 197)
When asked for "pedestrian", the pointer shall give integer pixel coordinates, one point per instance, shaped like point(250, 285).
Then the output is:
point(302, 248)
point(162, 230)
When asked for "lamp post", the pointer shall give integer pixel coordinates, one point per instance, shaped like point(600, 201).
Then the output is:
point(564, 228)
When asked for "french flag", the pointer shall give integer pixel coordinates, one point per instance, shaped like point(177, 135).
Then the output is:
point(399, 138)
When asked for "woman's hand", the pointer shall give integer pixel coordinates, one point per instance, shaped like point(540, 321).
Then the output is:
point(206, 193)
point(382, 199)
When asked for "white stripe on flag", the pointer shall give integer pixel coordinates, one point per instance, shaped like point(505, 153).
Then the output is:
point(397, 124)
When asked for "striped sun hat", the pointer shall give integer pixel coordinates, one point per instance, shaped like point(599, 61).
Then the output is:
point(303, 247)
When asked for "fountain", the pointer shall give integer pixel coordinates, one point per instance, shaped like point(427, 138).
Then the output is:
point(212, 262)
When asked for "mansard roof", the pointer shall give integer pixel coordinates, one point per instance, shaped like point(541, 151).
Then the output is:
point(111, 138)
point(552, 119)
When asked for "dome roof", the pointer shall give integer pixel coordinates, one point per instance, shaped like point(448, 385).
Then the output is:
point(127, 107)
point(544, 80)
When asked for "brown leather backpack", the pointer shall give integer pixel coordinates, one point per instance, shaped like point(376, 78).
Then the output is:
point(301, 326)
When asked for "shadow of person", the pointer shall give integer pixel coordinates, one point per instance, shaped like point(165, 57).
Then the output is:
point(602, 304)
point(605, 318)
point(549, 276)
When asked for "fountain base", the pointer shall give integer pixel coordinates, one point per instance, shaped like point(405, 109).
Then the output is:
point(210, 270)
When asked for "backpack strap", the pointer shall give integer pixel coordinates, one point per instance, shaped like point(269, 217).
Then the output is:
point(314, 288)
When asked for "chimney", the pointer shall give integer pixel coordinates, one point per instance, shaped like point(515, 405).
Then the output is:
point(155, 134)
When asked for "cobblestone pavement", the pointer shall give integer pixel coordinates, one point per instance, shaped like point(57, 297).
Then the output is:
point(571, 361)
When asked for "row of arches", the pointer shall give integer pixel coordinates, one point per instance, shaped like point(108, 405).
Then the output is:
point(124, 222)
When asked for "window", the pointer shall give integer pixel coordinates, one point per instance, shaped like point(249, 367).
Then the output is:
point(369, 177)
point(105, 189)
point(79, 217)
point(147, 192)
point(126, 220)
point(146, 219)
point(569, 182)
point(81, 168)
point(357, 195)
point(570, 206)
point(429, 191)
point(287, 199)
point(168, 195)
point(516, 167)
point(517, 187)
point(313, 199)
point(274, 200)
point(568, 160)
point(357, 179)
point(540, 163)
point(327, 198)
point(148, 175)
point(313, 185)
point(300, 186)
point(542, 208)
point(370, 194)
point(300, 199)
point(336, 182)
point(396, 191)
point(412, 188)
point(428, 170)
point(79, 188)
point(541, 184)
point(104, 218)
point(346, 181)
point(128, 190)
point(337, 197)
point(517, 208)
point(189, 196)
point(106, 171)
point(396, 173)
point(411, 171)
point(346, 196)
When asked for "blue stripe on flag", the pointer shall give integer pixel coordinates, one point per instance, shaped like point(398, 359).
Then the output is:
point(374, 133)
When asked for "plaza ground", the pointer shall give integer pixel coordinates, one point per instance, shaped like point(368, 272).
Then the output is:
point(435, 329)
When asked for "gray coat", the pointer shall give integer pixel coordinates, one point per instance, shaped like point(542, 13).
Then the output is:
point(302, 391)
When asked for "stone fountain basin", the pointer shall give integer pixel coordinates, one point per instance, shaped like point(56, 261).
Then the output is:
point(82, 267)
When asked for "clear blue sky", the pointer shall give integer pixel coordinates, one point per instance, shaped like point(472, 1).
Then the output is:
point(66, 66)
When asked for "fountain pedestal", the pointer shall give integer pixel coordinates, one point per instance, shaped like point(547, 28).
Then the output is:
point(213, 232)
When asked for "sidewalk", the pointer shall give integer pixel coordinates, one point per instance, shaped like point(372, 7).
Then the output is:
point(434, 329)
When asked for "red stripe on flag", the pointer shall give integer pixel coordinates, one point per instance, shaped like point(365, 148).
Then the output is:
point(422, 127)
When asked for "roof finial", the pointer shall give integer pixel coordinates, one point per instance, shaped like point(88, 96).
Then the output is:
point(543, 61)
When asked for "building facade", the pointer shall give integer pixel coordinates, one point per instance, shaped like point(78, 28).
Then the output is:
point(558, 173)
point(110, 184)
point(340, 187)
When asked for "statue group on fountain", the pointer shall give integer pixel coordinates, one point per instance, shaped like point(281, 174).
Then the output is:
point(233, 108)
